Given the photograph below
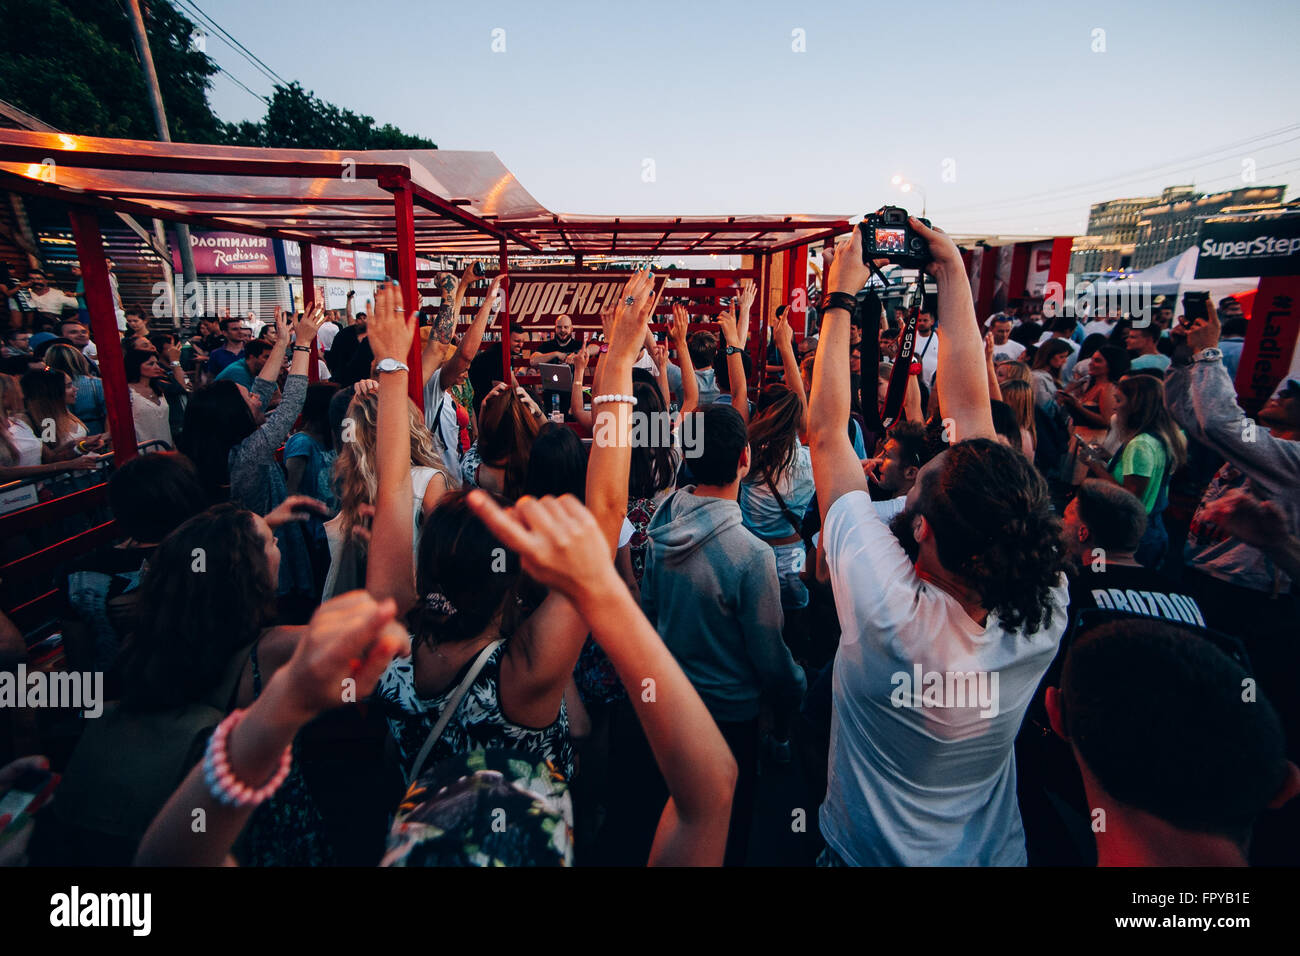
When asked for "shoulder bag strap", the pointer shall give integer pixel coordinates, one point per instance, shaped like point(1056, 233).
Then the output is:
point(450, 709)
point(789, 515)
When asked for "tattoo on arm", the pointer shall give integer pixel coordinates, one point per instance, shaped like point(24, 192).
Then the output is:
point(444, 328)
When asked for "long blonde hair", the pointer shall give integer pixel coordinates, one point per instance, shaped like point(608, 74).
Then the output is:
point(65, 358)
point(355, 480)
point(1147, 413)
point(8, 450)
point(1020, 396)
point(45, 399)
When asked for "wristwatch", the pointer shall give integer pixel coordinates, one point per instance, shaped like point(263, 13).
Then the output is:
point(734, 350)
point(390, 365)
point(1208, 355)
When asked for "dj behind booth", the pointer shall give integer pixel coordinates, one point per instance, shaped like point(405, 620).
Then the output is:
point(552, 360)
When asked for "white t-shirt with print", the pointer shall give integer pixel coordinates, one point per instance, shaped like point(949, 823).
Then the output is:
point(920, 785)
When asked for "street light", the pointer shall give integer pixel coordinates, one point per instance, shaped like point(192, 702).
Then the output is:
point(907, 187)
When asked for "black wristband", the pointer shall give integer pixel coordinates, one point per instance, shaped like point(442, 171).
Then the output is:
point(840, 300)
point(302, 348)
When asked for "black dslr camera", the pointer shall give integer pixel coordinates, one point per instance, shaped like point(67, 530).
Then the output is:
point(886, 234)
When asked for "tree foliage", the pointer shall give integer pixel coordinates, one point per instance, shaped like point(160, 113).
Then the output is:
point(296, 118)
point(72, 63)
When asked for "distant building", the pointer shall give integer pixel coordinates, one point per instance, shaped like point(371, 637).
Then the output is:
point(1112, 231)
point(1171, 227)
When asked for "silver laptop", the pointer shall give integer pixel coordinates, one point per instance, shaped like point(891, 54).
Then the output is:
point(557, 377)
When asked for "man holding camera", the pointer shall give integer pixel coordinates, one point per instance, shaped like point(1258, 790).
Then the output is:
point(967, 587)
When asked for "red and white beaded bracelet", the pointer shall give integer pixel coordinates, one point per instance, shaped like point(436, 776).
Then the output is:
point(221, 780)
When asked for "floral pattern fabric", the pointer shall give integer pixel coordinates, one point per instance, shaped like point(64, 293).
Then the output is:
point(478, 723)
point(484, 808)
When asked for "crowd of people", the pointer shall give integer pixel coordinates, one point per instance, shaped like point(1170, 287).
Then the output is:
point(1046, 617)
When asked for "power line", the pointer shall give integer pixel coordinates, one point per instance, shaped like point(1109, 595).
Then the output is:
point(984, 223)
point(226, 37)
point(1134, 175)
point(238, 82)
point(1226, 178)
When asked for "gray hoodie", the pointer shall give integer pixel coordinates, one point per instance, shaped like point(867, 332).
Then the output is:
point(711, 590)
point(1202, 399)
point(707, 379)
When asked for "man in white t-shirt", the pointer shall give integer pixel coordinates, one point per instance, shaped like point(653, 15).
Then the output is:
point(950, 614)
point(1004, 349)
point(926, 349)
point(439, 410)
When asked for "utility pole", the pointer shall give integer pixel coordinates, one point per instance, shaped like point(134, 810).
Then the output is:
point(160, 121)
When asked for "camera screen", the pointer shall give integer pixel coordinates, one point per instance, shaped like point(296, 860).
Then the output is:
point(890, 240)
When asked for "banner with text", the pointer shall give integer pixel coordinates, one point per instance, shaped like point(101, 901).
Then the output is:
point(229, 253)
point(1266, 246)
point(536, 300)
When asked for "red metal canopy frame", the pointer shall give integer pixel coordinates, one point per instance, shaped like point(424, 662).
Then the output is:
point(402, 204)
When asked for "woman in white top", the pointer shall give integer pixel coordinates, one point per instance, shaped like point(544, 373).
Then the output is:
point(20, 447)
point(355, 482)
point(149, 406)
point(46, 433)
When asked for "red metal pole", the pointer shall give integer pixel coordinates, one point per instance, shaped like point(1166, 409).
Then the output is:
point(504, 265)
point(405, 220)
point(762, 264)
point(308, 297)
point(103, 324)
point(1059, 268)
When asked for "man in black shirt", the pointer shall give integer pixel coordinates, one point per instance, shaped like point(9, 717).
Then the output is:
point(1099, 526)
point(559, 349)
point(563, 348)
point(1102, 526)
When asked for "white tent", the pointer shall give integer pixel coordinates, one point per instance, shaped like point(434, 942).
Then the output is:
point(1178, 275)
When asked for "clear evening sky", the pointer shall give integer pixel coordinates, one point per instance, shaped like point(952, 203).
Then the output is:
point(1037, 125)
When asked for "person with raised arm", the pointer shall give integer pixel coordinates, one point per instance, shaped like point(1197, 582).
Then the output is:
point(440, 378)
point(678, 336)
point(478, 676)
point(734, 334)
point(560, 547)
point(967, 587)
point(350, 638)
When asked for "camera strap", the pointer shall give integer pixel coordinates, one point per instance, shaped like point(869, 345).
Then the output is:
point(883, 421)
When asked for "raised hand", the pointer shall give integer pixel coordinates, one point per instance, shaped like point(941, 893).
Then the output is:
point(727, 322)
point(390, 329)
point(607, 319)
point(782, 334)
point(558, 541)
point(681, 322)
point(846, 271)
point(310, 323)
point(492, 298)
point(350, 637)
point(1259, 523)
point(631, 317)
point(467, 277)
point(282, 327)
point(747, 292)
point(1202, 333)
point(946, 255)
point(296, 508)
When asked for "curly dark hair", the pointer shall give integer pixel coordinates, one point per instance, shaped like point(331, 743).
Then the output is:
point(993, 526)
point(207, 593)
